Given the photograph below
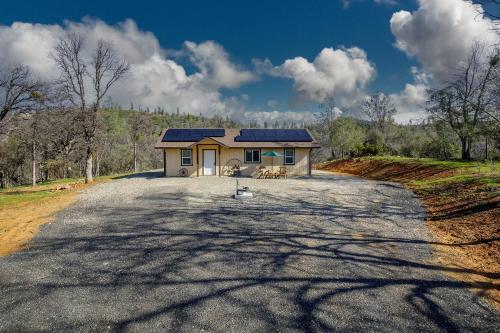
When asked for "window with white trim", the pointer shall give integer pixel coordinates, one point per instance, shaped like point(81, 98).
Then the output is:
point(186, 157)
point(252, 155)
point(289, 156)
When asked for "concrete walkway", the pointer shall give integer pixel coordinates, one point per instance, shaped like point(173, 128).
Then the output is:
point(151, 254)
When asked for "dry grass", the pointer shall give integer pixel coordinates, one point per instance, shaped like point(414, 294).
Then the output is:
point(21, 222)
point(24, 209)
point(462, 202)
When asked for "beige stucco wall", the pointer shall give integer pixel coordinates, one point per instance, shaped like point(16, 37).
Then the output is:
point(224, 155)
point(173, 157)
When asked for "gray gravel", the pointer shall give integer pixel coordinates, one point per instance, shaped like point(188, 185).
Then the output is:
point(150, 254)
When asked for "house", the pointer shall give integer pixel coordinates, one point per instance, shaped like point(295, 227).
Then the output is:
point(197, 152)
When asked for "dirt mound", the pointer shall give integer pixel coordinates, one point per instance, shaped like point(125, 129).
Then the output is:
point(386, 170)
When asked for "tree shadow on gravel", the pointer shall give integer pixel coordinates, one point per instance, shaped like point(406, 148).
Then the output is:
point(288, 263)
point(142, 175)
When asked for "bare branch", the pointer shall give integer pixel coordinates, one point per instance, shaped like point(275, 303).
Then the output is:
point(107, 70)
point(68, 57)
point(17, 88)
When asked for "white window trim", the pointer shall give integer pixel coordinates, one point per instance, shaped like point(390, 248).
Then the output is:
point(285, 157)
point(186, 157)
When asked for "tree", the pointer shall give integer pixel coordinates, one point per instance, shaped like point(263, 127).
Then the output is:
point(468, 100)
point(346, 135)
point(39, 98)
point(379, 109)
point(16, 90)
point(139, 123)
point(325, 119)
point(103, 70)
point(65, 136)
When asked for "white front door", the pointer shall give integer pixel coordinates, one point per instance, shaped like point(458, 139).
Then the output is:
point(209, 162)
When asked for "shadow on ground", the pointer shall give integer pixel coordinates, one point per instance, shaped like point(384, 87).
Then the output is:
point(341, 256)
point(142, 175)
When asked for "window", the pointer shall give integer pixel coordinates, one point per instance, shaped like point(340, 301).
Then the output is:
point(252, 155)
point(289, 156)
point(186, 157)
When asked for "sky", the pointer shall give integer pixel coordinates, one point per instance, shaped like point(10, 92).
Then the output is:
point(258, 60)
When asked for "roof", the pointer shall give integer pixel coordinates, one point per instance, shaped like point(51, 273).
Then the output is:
point(237, 138)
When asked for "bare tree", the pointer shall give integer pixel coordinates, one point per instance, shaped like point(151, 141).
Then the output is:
point(468, 100)
point(379, 109)
point(16, 90)
point(103, 70)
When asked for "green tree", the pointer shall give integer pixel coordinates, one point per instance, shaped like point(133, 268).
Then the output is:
point(345, 136)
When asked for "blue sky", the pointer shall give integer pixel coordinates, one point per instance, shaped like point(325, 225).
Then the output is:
point(246, 30)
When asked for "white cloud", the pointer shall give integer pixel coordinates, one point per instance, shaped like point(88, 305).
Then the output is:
point(441, 32)
point(272, 116)
point(215, 66)
point(154, 79)
point(334, 72)
point(30, 45)
point(410, 102)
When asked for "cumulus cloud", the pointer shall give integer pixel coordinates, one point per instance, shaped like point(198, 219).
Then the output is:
point(410, 102)
point(215, 67)
point(154, 79)
point(334, 72)
point(440, 33)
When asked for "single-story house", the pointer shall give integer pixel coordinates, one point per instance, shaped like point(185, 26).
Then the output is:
point(197, 152)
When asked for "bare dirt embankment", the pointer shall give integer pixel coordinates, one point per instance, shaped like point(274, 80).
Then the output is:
point(462, 201)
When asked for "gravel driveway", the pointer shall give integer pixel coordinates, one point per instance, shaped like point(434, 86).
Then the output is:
point(151, 254)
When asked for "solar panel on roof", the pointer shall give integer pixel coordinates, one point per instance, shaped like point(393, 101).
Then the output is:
point(191, 134)
point(273, 135)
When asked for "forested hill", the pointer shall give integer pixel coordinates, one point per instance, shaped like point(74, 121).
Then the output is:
point(56, 141)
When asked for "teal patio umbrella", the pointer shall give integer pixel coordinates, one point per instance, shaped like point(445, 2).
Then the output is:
point(272, 154)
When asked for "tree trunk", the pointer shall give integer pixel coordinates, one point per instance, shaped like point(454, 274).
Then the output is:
point(65, 167)
point(135, 156)
point(469, 146)
point(33, 165)
point(97, 165)
point(465, 149)
point(486, 149)
point(2, 180)
point(88, 167)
